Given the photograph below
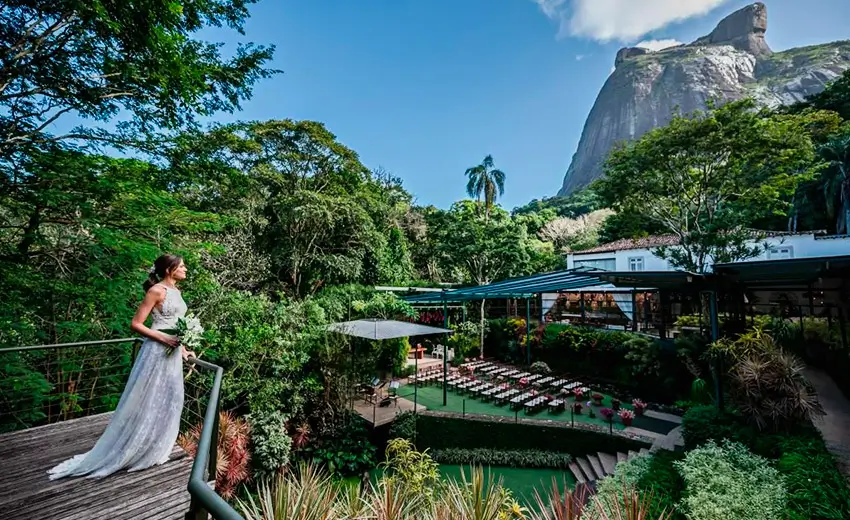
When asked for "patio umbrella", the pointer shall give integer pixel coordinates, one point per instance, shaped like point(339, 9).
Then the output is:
point(378, 329)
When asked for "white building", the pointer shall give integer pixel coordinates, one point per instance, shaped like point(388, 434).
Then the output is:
point(637, 254)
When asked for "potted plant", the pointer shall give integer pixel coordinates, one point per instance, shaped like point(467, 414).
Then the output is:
point(627, 416)
point(579, 393)
point(607, 413)
point(615, 404)
point(591, 413)
point(639, 405)
point(597, 398)
point(577, 408)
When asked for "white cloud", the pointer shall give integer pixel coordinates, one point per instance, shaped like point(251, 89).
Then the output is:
point(623, 20)
point(657, 45)
point(579, 57)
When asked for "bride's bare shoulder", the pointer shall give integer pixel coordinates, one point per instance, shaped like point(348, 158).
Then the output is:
point(157, 292)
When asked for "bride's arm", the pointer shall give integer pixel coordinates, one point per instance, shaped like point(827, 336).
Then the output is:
point(153, 297)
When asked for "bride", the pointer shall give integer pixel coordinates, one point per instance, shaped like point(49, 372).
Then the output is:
point(144, 427)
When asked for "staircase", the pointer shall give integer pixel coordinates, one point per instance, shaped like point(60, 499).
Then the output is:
point(590, 468)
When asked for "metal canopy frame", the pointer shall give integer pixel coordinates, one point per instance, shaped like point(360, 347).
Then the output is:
point(523, 287)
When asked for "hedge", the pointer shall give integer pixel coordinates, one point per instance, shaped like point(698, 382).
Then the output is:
point(507, 458)
point(440, 432)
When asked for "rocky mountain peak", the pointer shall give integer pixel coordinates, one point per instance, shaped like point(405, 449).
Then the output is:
point(744, 29)
point(732, 62)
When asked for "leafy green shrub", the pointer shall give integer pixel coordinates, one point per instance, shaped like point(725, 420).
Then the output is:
point(539, 367)
point(270, 445)
point(703, 423)
point(404, 426)
point(816, 489)
point(439, 432)
point(346, 450)
point(664, 482)
point(727, 481)
point(416, 471)
point(508, 458)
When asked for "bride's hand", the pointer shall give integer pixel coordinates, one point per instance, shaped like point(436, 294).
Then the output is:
point(171, 341)
point(187, 354)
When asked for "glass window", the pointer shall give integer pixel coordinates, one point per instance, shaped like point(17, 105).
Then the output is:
point(780, 253)
point(636, 263)
point(606, 264)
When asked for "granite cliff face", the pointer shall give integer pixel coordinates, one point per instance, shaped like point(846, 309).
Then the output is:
point(732, 62)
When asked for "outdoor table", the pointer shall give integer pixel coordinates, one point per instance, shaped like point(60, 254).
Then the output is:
point(534, 378)
point(418, 353)
point(556, 405)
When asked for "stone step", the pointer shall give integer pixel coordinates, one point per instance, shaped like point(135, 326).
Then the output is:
point(576, 471)
point(585, 466)
point(632, 454)
point(622, 457)
point(596, 465)
point(644, 451)
point(609, 462)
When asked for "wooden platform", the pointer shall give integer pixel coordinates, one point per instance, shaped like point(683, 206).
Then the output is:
point(26, 493)
point(378, 416)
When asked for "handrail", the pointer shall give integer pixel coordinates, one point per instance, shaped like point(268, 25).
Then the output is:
point(69, 345)
point(204, 499)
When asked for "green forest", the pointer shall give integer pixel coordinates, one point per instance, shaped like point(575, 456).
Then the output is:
point(285, 230)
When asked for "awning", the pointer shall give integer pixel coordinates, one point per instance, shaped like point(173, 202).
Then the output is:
point(523, 287)
point(384, 329)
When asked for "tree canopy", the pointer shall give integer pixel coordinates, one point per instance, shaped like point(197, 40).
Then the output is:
point(707, 176)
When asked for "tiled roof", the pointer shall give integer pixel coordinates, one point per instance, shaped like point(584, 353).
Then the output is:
point(632, 243)
point(651, 241)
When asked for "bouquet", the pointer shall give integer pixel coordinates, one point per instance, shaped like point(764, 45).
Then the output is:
point(188, 330)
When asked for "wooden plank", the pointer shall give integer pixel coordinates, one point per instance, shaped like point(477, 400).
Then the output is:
point(137, 502)
point(171, 504)
point(72, 491)
point(27, 493)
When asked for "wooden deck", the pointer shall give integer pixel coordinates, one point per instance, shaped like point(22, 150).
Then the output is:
point(378, 416)
point(26, 493)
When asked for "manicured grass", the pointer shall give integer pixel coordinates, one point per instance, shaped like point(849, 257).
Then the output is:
point(521, 481)
point(432, 398)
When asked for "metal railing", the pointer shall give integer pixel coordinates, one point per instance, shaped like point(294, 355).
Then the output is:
point(204, 499)
point(43, 384)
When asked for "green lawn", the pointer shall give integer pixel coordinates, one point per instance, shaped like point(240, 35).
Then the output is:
point(432, 398)
point(521, 481)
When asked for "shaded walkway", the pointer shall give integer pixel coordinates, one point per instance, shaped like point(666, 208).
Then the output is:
point(835, 426)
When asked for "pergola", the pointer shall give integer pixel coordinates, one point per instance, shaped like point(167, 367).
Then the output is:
point(526, 287)
point(732, 280)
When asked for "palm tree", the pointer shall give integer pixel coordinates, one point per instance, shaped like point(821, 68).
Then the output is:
point(485, 180)
point(836, 186)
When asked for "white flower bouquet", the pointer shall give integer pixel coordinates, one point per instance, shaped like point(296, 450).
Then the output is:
point(189, 331)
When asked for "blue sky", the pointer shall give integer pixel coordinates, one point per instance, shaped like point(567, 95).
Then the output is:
point(427, 88)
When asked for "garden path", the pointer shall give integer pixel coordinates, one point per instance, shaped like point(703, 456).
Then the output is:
point(835, 426)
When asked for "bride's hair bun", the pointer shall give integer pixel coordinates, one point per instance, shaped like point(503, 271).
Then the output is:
point(161, 267)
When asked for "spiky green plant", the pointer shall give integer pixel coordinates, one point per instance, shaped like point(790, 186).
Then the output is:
point(477, 497)
point(628, 505)
point(558, 504)
point(389, 500)
point(307, 494)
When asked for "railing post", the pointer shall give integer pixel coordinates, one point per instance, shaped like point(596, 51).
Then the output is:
point(213, 465)
point(134, 351)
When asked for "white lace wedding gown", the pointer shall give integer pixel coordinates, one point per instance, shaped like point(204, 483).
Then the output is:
point(144, 427)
